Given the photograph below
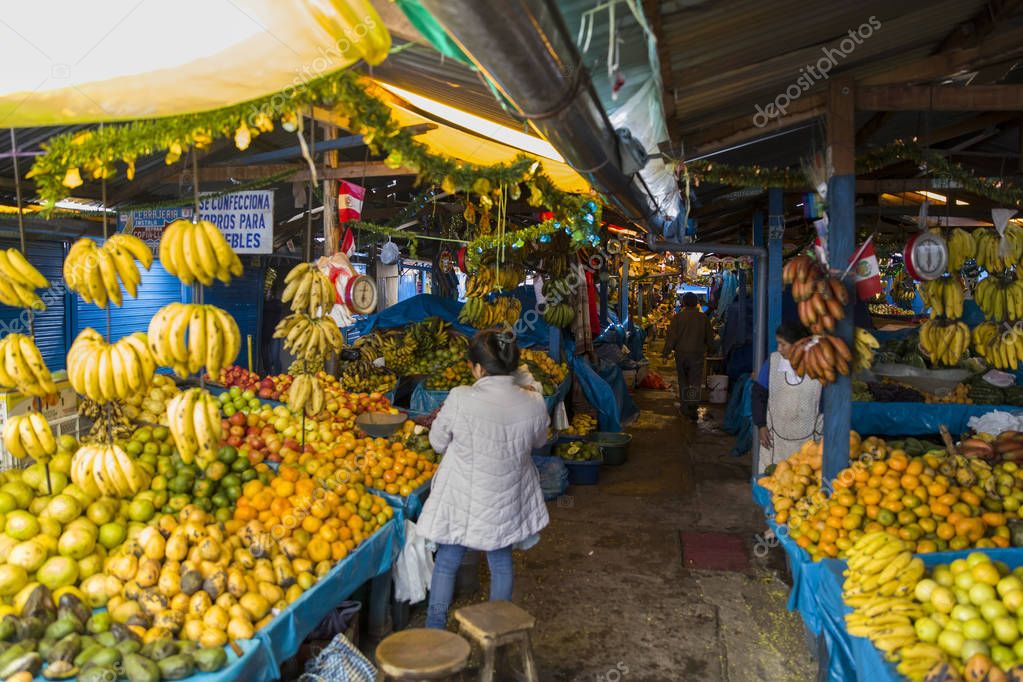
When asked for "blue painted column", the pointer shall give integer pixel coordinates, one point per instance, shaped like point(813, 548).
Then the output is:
point(758, 264)
point(775, 234)
point(623, 291)
point(838, 396)
point(603, 303)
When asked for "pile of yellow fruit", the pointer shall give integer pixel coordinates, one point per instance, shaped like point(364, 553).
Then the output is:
point(376, 463)
point(582, 425)
point(932, 502)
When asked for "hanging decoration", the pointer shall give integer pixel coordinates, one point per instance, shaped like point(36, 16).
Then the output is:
point(71, 158)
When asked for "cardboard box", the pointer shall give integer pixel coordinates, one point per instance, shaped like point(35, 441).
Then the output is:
point(62, 404)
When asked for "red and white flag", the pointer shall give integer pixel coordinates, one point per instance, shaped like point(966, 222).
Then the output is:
point(867, 272)
point(349, 207)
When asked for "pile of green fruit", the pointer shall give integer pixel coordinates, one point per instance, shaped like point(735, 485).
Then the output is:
point(235, 399)
point(457, 373)
point(578, 451)
point(417, 349)
point(64, 639)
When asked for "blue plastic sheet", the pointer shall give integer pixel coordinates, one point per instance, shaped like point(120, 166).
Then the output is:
point(559, 395)
point(916, 419)
point(615, 379)
point(284, 634)
point(739, 415)
point(411, 506)
point(426, 401)
point(855, 658)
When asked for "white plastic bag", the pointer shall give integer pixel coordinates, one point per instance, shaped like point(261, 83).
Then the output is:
point(413, 568)
point(560, 421)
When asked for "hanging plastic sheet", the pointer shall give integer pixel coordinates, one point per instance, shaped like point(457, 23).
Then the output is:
point(426, 401)
point(739, 415)
point(916, 419)
point(284, 634)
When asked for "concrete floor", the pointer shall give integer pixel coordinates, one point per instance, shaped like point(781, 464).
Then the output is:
point(612, 598)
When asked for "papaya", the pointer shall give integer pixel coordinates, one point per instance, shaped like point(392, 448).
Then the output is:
point(140, 669)
point(86, 654)
point(28, 662)
point(128, 646)
point(977, 668)
point(98, 673)
point(176, 667)
point(107, 656)
point(59, 629)
point(191, 581)
point(60, 670)
point(210, 659)
point(106, 639)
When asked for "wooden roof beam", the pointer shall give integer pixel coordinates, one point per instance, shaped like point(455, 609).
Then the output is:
point(347, 170)
point(970, 33)
point(940, 98)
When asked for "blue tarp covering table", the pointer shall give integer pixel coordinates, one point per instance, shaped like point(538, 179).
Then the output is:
point(855, 658)
point(426, 401)
point(410, 506)
point(916, 419)
point(283, 636)
point(806, 574)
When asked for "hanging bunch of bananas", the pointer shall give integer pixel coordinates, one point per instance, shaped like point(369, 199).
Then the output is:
point(1001, 347)
point(193, 417)
point(308, 337)
point(864, 345)
point(198, 252)
point(559, 314)
point(189, 336)
point(311, 366)
point(109, 420)
point(1000, 298)
point(19, 280)
point(481, 314)
point(820, 298)
point(961, 248)
point(819, 357)
point(308, 290)
point(490, 277)
point(108, 470)
point(362, 376)
point(944, 341)
point(29, 435)
point(22, 367)
point(104, 371)
point(879, 586)
point(96, 273)
point(944, 296)
point(559, 311)
point(305, 395)
point(903, 287)
point(992, 255)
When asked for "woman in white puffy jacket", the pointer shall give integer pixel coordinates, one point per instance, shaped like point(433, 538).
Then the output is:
point(486, 493)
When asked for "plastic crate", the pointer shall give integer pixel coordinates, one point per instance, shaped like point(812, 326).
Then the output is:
point(582, 473)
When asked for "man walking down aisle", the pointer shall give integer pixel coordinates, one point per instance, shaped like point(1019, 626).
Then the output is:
point(691, 337)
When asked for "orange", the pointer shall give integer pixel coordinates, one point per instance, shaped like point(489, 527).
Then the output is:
point(355, 523)
point(280, 506)
point(926, 546)
point(305, 486)
point(909, 482)
point(898, 461)
point(870, 496)
point(245, 513)
point(312, 524)
point(999, 541)
point(338, 551)
point(250, 489)
point(288, 473)
point(915, 467)
point(993, 519)
point(970, 498)
point(262, 500)
point(318, 550)
point(878, 468)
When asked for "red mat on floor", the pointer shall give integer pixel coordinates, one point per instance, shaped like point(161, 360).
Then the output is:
point(714, 552)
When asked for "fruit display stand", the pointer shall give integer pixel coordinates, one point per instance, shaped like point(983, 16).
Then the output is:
point(410, 506)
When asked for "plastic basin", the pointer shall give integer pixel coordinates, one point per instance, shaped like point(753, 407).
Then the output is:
point(583, 473)
point(614, 446)
point(379, 424)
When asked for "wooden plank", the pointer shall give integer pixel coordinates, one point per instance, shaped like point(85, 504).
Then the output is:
point(841, 125)
point(970, 33)
point(940, 98)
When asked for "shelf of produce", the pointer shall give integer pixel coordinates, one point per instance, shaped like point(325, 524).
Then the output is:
point(856, 658)
point(916, 419)
point(410, 506)
point(283, 636)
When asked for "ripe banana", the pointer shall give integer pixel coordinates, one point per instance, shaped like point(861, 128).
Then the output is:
point(309, 338)
point(961, 248)
point(863, 349)
point(106, 469)
point(198, 252)
point(944, 296)
point(823, 358)
point(96, 273)
point(305, 395)
point(944, 341)
point(193, 417)
point(997, 254)
point(22, 367)
point(189, 336)
point(308, 290)
point(19, 280)
point(820, 298)
point(29, 435)
point(105, 372)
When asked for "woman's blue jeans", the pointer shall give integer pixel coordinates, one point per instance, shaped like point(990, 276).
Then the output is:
point(445, 568)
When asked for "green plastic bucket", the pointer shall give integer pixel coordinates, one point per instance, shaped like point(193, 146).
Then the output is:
point(614, 446)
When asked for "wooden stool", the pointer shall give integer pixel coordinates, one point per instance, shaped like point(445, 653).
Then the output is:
point(421, 654)
point(493, 624)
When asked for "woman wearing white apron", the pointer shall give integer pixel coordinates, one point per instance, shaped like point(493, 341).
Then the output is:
point(786, 407)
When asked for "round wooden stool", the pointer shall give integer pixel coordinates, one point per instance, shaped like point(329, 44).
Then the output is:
point(421, 654)
point(496, 623)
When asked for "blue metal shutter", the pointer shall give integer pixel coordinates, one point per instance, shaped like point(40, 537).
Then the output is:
point(243, 299)
point(51, 324)
point(158, 288)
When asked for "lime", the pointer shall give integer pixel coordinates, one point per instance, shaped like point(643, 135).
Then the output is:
point(141, 510)
point(112, 534)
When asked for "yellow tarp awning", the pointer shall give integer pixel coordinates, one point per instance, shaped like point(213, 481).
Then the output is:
point(86, 62)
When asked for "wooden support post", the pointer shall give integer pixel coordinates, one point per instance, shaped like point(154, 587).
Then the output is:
point(331, 228)
point(775, 234)
point(841, 243)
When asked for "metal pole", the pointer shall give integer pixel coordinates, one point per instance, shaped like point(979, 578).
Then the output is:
point(775, 233)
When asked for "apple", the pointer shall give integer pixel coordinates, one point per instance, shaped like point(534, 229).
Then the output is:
point(237, 420)
point(235, 441)
point(237, 431)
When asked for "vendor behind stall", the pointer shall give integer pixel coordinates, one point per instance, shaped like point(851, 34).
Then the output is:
point(786, 407)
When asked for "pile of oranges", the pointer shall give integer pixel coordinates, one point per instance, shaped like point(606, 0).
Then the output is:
point(309, 519)
point(908, 497)
point(376, 463)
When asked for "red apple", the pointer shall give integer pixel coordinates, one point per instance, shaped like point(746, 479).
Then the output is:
point(238, 419)
point(237, 431)
point(234, 440)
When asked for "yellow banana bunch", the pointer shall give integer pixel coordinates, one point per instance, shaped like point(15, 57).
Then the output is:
point(22, 367)
point(992, 255)
point(193, 417)
point(309, 338)
point(1001, 348)
point(305, 395)
point(863, 349)
point(198, 252)
point(189, 336)
point(104, 372)
point(308, 290)
point(29, 435)
point(19, 280)
point(944, 296)
point(1000, 298)
point(944, 341)
point(108, 470)
point(961, 248)
point(96, 273)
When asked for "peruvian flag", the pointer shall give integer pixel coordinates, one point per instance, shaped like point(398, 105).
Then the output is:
point(349, 207)
point(866, 271)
